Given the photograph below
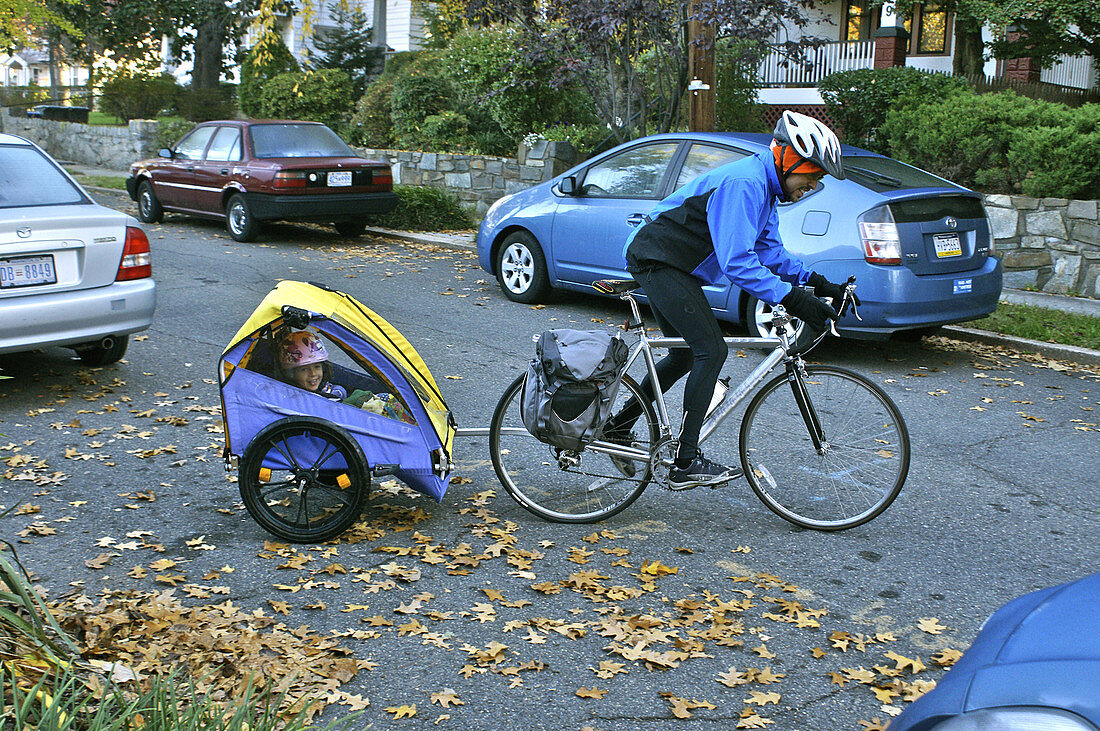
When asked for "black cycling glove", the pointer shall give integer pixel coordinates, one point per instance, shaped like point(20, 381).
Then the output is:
point(824, 288)
point(812, 311)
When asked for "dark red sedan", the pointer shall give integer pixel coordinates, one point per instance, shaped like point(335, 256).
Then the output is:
point(263, 170)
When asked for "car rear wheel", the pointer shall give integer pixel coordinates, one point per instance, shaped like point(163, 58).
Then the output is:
point(521, 269)
point(758, 320)
point(239, 221)
point(149, 209)
point(103, 352)
point(350, 228)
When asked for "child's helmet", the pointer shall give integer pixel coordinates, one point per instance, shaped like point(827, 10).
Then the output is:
point(301, 348)
point(811, 140)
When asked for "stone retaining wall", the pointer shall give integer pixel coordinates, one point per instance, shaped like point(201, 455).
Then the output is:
point(478, 180)
point(1049, 244)
point(108, 147)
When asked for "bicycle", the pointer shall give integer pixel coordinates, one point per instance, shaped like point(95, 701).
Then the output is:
point(829, 452)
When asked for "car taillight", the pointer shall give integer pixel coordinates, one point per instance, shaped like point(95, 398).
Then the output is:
point(381, 177)
point(289, 180)
point(137, 262)
point(879, 233)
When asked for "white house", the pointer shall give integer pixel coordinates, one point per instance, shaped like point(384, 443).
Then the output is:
point(30, 66)
point(864, 36)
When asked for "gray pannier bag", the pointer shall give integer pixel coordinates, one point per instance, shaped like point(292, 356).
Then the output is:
point(571, 385)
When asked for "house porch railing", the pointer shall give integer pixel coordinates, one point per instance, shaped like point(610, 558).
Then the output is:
point(776, 70)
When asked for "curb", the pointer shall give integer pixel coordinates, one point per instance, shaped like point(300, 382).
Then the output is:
point(457, 242)
point(1054, 351)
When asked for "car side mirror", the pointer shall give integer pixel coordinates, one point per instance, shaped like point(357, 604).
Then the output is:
point(568, 185)
point(165, 152)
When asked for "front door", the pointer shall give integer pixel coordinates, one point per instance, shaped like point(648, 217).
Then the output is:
point(213, 171)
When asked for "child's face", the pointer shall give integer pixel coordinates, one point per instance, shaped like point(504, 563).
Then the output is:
point(308, 376)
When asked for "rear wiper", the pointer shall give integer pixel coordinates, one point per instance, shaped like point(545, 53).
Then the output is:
point(877, 177)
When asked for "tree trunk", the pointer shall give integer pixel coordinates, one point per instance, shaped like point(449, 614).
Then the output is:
point(209, 52)
point(55, 69)
point(969, 47)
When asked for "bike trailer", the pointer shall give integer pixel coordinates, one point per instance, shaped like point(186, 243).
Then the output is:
point(370, 358)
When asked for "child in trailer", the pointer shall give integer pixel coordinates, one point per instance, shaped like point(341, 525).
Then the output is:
point(303, 361)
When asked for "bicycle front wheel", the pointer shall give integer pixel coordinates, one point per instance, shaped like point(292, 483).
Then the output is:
point(857, 471)
point(571, 487)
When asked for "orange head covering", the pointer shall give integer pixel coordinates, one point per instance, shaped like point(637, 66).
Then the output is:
point(785, 155)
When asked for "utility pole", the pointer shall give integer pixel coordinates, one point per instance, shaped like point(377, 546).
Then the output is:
point(378, 20)
point(701, 116)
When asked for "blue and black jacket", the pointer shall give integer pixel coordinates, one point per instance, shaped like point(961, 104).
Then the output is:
point(723, 223)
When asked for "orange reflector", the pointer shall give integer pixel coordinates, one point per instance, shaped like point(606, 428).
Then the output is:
point(343, 481)
point(265, 474)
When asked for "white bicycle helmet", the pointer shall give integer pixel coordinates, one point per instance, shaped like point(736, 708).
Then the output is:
point(811, 140)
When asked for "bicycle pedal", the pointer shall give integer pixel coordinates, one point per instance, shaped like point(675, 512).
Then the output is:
point(737, 473)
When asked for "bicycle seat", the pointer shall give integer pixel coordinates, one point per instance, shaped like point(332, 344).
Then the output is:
point(615, 286)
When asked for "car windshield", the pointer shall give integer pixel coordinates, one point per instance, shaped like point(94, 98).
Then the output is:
point(29, 178)
point(882, 174)
point(297, 140)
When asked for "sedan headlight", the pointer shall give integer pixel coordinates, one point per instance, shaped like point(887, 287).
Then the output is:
point(1016, 719)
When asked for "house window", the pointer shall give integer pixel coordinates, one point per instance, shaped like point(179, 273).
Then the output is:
point(931, 24)
point(859, 20)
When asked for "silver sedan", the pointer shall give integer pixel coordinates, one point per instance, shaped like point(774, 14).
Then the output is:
point(72, 272)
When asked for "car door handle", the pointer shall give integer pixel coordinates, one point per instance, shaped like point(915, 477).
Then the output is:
point(636, 219)
point(225, 171)
point(191, 169)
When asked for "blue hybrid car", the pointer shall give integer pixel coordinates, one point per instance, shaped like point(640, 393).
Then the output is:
point(1034, 666)
point(920, 246)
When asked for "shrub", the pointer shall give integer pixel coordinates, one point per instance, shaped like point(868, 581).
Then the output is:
point(738, 81)
point(490, 75)
point(138, 96)
point(860, 100)
point(1060, 161)
point(261, 64)
point(422, 208)
point(583, 137)
point(318, 96)
point(201, 105)
point(967, 137)
point(415, 98)
point(169, 132)
point(372, 125)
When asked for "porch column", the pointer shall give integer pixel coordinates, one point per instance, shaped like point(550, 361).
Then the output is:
point(891, 39)
point(1020, 69)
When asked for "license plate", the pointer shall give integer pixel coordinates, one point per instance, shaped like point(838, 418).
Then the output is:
point(947, 245)
point(339, 180)
point(27, 271)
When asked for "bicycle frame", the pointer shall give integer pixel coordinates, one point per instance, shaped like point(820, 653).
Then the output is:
point(780, 353)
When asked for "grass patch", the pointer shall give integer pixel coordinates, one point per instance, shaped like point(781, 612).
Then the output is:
point(117, 182)
point(102, 119)
point(1040, 323)
point(423, 208)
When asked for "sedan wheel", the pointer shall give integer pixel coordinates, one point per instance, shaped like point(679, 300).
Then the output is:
point(149, 210)
point(521, 269)
point(758, 320)
point(239, 221)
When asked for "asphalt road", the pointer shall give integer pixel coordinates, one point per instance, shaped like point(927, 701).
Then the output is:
point(119, 469)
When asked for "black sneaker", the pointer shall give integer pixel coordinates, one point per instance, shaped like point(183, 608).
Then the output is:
point(626, 467)
point(701, 472)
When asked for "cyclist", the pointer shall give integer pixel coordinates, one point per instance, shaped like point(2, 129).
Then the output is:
point(724, 224)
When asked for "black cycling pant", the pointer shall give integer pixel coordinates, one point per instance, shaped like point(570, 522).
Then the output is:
point(682, 311)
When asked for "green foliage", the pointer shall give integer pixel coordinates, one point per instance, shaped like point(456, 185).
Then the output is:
point(171, 131)
point(422, 208)
point(738, 81)
point(1000, 143)
point(860, 100)
point(201, 105)
point(416, 97)
point(23, 97)
point(261, 64)
point(372, 125)
point(318, 96)
point(1061, 161)
point(134, 95)
point(583, 137)
point(349, 47)
point(490, 73)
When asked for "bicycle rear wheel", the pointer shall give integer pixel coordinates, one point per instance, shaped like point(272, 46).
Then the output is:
point(854, 476)
point(570, 487)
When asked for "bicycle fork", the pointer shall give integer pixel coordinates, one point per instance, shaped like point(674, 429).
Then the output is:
point(796, 377)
